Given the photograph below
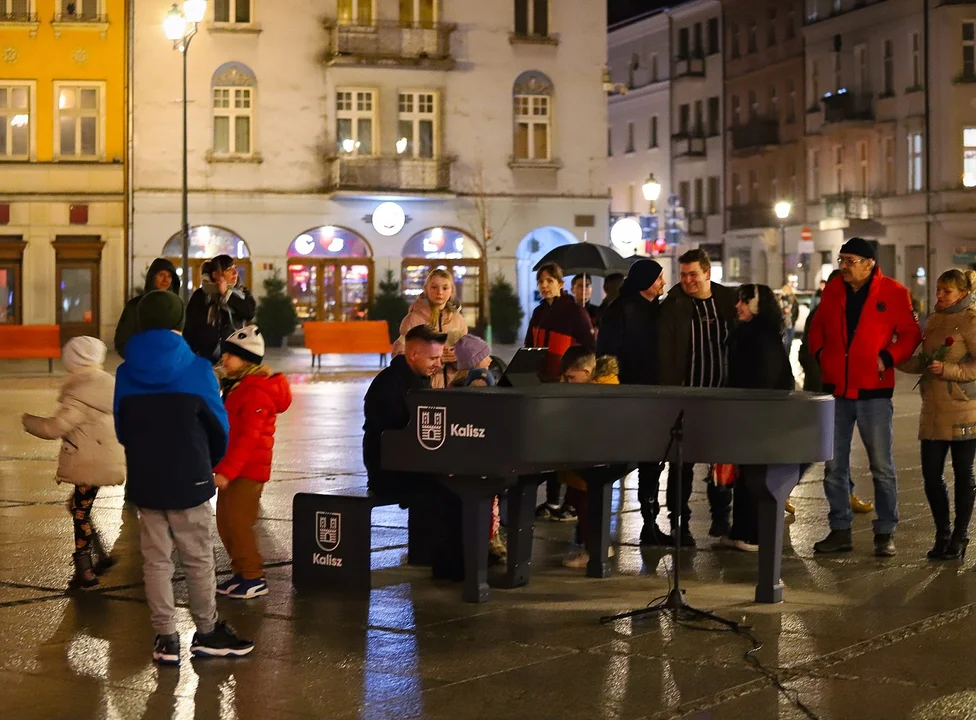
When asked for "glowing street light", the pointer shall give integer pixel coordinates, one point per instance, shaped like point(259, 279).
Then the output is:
point(783, 209)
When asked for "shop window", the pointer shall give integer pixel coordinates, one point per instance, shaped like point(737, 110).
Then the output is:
point(207, 241)
point(330, 275)
point(454, 251)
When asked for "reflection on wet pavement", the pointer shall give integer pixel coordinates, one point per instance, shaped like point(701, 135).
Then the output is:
point(856, 638)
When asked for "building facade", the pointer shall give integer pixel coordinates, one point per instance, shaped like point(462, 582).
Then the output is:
point(764, 117)
point(62, 153)
point(336, 141)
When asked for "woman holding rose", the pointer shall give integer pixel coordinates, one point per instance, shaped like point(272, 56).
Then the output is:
point(947, 423)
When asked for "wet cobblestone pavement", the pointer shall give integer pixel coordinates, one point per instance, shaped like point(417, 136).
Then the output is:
point(857, 637)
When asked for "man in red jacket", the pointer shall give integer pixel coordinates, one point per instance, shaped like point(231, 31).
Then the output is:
point(863, 327)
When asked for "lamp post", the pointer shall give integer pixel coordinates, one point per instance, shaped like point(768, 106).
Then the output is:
point(652, 191)
point(783, 209)
point(180, 26)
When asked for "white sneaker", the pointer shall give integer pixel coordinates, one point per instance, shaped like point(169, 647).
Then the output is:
point(740, 545)
point(578, 558)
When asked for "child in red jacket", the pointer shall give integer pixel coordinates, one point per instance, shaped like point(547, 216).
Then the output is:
point(254, 397)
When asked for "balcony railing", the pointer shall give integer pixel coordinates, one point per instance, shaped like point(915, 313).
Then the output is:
point(851, 206)
point(390, 173)
point(742, 217)
point(848, 106)
point(755, 135)
point(80, 17)
point(689, 145)
point(18, 17)
point(390, 43)
point(689, 66)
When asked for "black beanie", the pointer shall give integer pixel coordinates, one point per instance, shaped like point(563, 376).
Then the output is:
point(642, 275)
point(858, 246)
point(160, 310)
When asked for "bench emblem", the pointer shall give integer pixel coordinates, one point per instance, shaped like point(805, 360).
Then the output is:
point(328, 530)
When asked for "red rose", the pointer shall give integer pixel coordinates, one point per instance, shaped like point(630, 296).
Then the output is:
point(949, 341)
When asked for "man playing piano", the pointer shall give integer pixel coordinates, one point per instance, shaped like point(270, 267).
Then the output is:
point(694, 331)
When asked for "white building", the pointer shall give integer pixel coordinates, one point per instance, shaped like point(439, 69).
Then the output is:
point(305, 117)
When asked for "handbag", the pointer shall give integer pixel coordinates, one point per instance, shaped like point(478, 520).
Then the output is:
point(724, 474)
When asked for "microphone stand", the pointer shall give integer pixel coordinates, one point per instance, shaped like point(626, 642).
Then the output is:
point(674, 603)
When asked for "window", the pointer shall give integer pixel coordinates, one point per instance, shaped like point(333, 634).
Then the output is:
point(838, 77)
point(889, 156)
point(15, 122)
point(654, 71)
point(355, 122)
point(736, 190)
point(532, 95)
point(684, 119)
point(15, 10)
point(753, 187)
point(79, 9)
point(791, 104)
point(684, 49)
point(863, 170)
point(734, 34)
point(814, 182)
point(793, 181)
point(736, 111)
point(699, 45)
point(791, 24)
point(861, 67)
point(713, 195)
point(417, 125)
point(969, 49)
point(418, 13)
point(969, 156)
point(773, 186)
point(532, 17)
point(609, 142)
point(699, 127)
point(630, 137)
point(684, 192)
point(713, 117)
point(233, 86)
point(914, 162)
point(839, 168)
point(916, 60)
point(812, 11)
point(78, 130)
point(889, 67)
point(837, 4)
point(753, 105)
point(814, 84)
point(699, 195)
point(753, 37)
point(236, 11)
point(773, 102)
point(713, 35)
point(771, 27)
point(356, 12)
point(652, 135)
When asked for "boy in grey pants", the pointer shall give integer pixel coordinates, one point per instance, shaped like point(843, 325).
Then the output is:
point(169, 418)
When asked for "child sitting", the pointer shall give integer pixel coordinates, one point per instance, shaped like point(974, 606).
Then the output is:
point(473, 359)
point(253, 400)
point(579, 366)
point(91, 456)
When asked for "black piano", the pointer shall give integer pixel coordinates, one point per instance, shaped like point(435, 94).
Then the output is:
point(490, 439)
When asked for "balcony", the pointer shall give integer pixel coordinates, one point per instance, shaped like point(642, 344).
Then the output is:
point(389, 173)
point(754, 136)
point(689, 145)
point(743, 217)
point(19, 21)
point(689, 66)
point(851, 206)
point(390, 44)
point(848, 107)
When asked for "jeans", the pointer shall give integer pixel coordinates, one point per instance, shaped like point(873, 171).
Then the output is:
point(788, 335)
point(874, 424)
point(933, 463)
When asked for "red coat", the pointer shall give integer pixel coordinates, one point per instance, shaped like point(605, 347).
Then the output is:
point(557, 326)
point(252, 407)
point(887, 329)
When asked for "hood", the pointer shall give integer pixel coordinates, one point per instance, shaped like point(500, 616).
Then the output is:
point(162, 264)
point(93, 387)
point(156, 358)
point(963, 304)
point(275, 387)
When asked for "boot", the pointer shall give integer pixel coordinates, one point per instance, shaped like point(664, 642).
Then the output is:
point(85, 577)
point(105, 561)
point(884, 546)
point(939, 548)
point(956, 547)
point(836, 541)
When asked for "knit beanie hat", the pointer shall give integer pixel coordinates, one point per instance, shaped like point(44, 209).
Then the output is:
point(160, 310)
point(247, 344)
point(83, 352)
point(642, 275)
point(469, 351)
point(858, 246)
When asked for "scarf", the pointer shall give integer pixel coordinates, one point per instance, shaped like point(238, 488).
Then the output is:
point(230, 381)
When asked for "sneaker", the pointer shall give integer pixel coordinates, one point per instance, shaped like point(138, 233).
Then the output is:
point(544, 511)
point(836, 541)
point(166, 650)
point(740, 545)
point(247, 589)
point(719, 528)
point(577, 558)
point(566, 513)
point(860, 506)
point(222, 641)
point(229, 584)
point(884, 546)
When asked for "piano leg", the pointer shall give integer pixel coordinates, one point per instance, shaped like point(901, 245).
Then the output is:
point(476, 495)
point(521, 517)
point(599, 494)
point(772, 485)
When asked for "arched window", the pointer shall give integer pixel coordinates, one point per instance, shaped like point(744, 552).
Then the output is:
point(330, 274)
point(532, 97)
point(233, 86)
point(454, 251)
point(207, 241)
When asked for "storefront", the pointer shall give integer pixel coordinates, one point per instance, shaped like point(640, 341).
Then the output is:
point(330, 274)
point(11, 271)
point(455, 252)
point(206, 242)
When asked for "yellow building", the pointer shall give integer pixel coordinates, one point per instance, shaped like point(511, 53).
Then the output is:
point(63, 141)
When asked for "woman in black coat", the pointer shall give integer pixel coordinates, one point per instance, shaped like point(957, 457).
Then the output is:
point(217, 309)
point(757, 361)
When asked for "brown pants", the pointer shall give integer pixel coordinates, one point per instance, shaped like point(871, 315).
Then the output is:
point(237, 511)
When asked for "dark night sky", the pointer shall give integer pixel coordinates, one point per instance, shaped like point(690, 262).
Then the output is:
point(618, 10)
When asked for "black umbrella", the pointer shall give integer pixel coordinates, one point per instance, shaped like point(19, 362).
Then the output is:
point(587, 259)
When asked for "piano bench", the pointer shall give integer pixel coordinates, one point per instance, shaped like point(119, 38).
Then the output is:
point(331, 540)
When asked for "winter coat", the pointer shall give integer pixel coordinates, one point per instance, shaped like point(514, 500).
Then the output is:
point(252, 407)
point(169, 418)
point(758, 359)
point(887, 329)
point(128, 321)
point(211, 318)
point(948, 402)
point(90, 453)
point(452, 323)
point(629, 332)
point(557, 326)
point(674, 330)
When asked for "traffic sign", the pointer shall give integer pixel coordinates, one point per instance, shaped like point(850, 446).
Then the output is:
point(806, 234)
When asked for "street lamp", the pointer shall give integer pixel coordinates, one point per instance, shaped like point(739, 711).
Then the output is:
point(783, 209)
point(652, 191)
point(180, 26)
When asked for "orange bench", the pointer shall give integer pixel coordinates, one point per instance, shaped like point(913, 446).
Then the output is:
point(30, 342)
point(348, 338)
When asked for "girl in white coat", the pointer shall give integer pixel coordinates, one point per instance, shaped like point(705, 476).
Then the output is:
point(91, 456)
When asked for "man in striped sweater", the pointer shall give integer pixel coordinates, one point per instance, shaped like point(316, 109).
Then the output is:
point(694, 330)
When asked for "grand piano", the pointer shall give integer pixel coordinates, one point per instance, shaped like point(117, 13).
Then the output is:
point(484, 440)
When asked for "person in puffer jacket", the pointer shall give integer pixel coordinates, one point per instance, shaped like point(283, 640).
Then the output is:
point(254, 399)
point(161, 275)
point(91, 457)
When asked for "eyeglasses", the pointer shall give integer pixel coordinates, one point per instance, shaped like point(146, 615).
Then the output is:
point(849, 261)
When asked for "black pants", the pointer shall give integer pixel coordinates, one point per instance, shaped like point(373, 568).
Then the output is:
point(933, 462)
point(745, 513)
point(719, 498)
point(554, 489)
point(81, 507)
point(648, 487)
